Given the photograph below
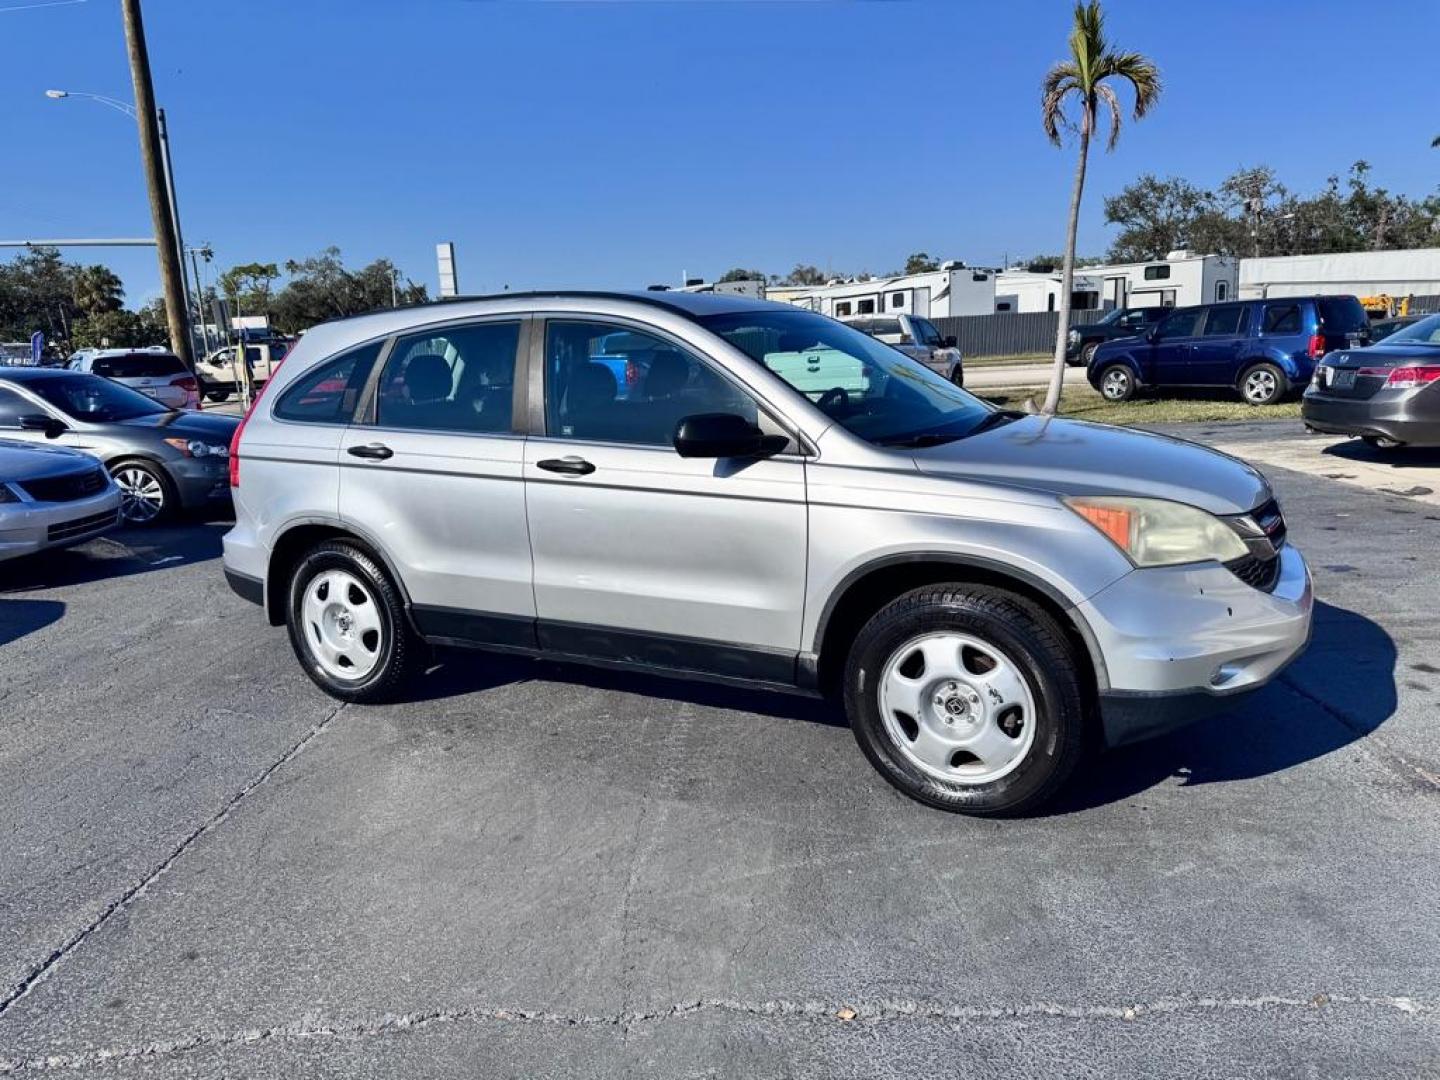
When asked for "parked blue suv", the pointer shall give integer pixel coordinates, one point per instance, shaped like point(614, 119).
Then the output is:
point(1261, 348)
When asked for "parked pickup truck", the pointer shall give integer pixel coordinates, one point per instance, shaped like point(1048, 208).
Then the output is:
point(1118, 323)
point(918, 339)
point(217, 370)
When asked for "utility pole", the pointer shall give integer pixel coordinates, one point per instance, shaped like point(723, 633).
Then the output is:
point(171, 276)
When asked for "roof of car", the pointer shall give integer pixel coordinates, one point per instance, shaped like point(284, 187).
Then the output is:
point(35, 374)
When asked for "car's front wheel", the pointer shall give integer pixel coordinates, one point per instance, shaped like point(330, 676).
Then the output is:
point(967, 698)
point(1087, 353)
point(1117, 383)
point(147, 494)
point(347, 624)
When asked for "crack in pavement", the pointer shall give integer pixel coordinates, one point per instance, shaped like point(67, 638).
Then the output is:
point(41, 971)
point(1421, 777)
point(315, 1027)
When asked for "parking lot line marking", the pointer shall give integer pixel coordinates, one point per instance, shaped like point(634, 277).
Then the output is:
point(41, 971)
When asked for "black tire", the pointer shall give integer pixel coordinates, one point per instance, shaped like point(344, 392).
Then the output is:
point(217, 396)
point(1116, 383)
point(1087, 353)
point(399, 651)
point(957, 375)
point(136, 475)
point(1030, 638)
point(1262, 384)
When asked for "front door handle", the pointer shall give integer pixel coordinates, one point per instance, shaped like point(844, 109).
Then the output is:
point(372, 452)
point(570, 466)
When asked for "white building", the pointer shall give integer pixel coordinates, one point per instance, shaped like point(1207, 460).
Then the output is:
point(954, 289)
point(1358, 273)
point(1025, 291)
point(1180, 279)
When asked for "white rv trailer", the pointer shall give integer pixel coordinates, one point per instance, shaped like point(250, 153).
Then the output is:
point(1360, 273)
point(954, 289)
point(1180, 279)
point(1024, 291)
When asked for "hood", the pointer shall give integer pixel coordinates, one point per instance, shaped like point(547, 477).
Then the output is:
point(29, 461)
point(187, 424)
point(1074, 457)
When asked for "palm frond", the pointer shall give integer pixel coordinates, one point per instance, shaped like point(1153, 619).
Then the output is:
point(1435, 141)
point(1107, 95)
point(1142, 75)
point(1060, 81)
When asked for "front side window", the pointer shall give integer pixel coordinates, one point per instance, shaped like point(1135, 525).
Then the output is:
point(95, 400)
point(607, 383)
point(460, 378)
point(1181, 324)
point(870, 389)
point(1282, 319)
point(329, 393)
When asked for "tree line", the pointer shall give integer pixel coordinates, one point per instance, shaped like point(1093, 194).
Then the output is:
point(81, 306)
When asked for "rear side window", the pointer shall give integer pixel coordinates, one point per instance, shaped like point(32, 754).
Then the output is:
point(1225, 322)
point(1282, 319)
point(1342, 315)
point(139, 366)
point(12, 407)
point(328, 394)
point(459, 378)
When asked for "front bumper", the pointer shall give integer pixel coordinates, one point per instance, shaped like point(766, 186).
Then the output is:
point(1183, 642)
point(1407, 416)
point(201, 482)
point(26, 528)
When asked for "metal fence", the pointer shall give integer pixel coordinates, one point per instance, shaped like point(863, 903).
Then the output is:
point(1423, 305)
point(1009, 333)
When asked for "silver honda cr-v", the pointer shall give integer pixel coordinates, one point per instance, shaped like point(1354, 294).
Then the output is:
point(717, 487)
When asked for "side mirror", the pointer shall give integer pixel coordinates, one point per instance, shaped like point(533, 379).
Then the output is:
point(724, 435)
point(52, 428)
point(948, 341)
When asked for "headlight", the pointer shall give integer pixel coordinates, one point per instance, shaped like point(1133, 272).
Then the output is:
point(197, 448)
point(1073, 337)
point(8, 496)
point(1157, 532)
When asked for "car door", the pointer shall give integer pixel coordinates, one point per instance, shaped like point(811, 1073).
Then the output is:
point(644, 556)
point(1215, 355)
point(1170, 351)
point(431, 471)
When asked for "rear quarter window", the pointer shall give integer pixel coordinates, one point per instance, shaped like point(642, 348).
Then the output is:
point(1342, 314)
point(329, 393)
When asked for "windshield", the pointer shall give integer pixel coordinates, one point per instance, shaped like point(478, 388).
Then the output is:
point(1111, 316)
point(1424, 332)
point(868, 388)
point(96, 400)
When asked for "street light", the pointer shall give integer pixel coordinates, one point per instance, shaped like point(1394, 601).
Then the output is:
point(129, 110)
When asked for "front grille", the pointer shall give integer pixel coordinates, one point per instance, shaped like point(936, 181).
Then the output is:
point(1264, 531)
point(67, 530)
point(65, 488)
point(1258, 573)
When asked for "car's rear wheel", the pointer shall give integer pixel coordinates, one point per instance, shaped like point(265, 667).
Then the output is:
point(347, 624)
point(1263, 384)
point(1117, 383)
point(218, 396)
point(967, 698)
point(957, 375)
point(147, 494)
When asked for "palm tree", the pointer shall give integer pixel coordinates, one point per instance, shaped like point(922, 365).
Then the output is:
point(1084, 77)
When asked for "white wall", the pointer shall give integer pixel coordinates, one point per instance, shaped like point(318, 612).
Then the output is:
point(1362, 273)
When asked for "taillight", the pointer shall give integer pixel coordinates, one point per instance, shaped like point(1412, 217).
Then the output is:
point(1405, 378)
point(235, 439)
point(1317, 346)
point(185, 382)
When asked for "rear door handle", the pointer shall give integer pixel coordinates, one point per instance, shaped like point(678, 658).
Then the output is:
point(372, 452)
point(570, 466)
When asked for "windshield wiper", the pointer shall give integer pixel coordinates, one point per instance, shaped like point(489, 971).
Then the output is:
point(924, 438)
point(995, 419)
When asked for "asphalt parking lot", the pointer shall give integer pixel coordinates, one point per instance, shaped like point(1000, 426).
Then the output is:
point(209, 869)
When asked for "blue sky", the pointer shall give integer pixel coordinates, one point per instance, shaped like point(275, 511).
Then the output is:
point(615, 144)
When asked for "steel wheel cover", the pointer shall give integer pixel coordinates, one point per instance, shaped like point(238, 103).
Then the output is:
point(957, 708)
point(142, 495)
point(342, 626)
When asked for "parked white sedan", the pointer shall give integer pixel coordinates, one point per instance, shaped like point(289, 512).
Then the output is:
point(51, 497)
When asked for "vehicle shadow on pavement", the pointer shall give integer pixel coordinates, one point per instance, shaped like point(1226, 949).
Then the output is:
point(118, 554)
point(460, 671)
point(21, 617)
point(1340, 690)
point(1402, 457)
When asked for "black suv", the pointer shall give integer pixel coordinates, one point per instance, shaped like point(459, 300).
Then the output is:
point(1117, 323)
